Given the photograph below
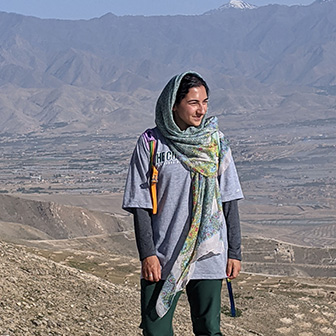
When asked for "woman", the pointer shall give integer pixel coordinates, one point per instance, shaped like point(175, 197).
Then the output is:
point(192, 240)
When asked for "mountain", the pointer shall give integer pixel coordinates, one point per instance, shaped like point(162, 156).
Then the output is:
point(124, 53)
point(73, 97)
point(237, 4)
point(90, 75)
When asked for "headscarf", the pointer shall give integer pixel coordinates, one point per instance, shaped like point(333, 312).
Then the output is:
point(204, 152)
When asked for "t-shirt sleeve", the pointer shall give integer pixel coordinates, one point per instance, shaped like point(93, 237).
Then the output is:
point(230, 188)
point(137, 189)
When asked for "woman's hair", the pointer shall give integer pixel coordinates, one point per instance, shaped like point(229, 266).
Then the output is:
point(189, 81)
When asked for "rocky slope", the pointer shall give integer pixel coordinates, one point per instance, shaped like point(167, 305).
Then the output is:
point(89, 285)
point(41, 297)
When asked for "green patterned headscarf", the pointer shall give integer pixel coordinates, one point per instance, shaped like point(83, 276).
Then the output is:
point(203, 151)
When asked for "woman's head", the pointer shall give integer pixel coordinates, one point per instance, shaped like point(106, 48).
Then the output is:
point(191, 101)
point(174, 104)
point(190, 80)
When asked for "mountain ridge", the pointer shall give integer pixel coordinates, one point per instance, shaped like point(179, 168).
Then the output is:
point(94, 45)
point(111, 56)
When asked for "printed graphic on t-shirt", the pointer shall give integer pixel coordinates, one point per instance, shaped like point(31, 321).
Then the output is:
point(167, 157)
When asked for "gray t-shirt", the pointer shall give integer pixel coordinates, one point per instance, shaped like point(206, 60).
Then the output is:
point(172, 222)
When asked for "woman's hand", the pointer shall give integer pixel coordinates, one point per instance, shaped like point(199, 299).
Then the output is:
point(233, 268)
point(151, 269)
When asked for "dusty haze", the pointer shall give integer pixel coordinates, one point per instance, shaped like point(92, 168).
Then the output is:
point(74, 97)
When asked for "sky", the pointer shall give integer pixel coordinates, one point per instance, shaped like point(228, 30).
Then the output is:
point(87, 9)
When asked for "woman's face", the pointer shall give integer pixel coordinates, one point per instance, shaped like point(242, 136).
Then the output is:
point(192, 108)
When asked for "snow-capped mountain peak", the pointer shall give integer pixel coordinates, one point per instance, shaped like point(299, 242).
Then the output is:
point(238, 4)
point(235, 4)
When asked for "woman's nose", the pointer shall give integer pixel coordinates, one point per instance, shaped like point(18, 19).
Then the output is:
point(202, 109)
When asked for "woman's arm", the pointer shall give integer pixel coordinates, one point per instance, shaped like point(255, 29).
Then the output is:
point(151, 269)
point(231, 215)
point(143, 232)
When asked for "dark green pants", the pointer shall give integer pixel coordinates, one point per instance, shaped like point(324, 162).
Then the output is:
point(204, 297)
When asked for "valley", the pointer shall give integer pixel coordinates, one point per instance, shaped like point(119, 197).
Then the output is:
point(74, 97)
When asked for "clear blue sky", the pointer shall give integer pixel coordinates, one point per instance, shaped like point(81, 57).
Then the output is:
point(86, 9)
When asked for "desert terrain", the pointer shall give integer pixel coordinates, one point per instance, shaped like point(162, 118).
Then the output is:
point(72, 107)
point(84, 279)
point(69, 262)
point(43, 297)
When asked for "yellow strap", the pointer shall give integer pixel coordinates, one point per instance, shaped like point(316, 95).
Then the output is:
point(154, 177)
point(154, 180)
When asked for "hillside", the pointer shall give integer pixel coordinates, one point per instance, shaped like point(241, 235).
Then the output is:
point(54, 221)
point(63, 232)
point(40, 297)
point(88, 285)
point(74, 96)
